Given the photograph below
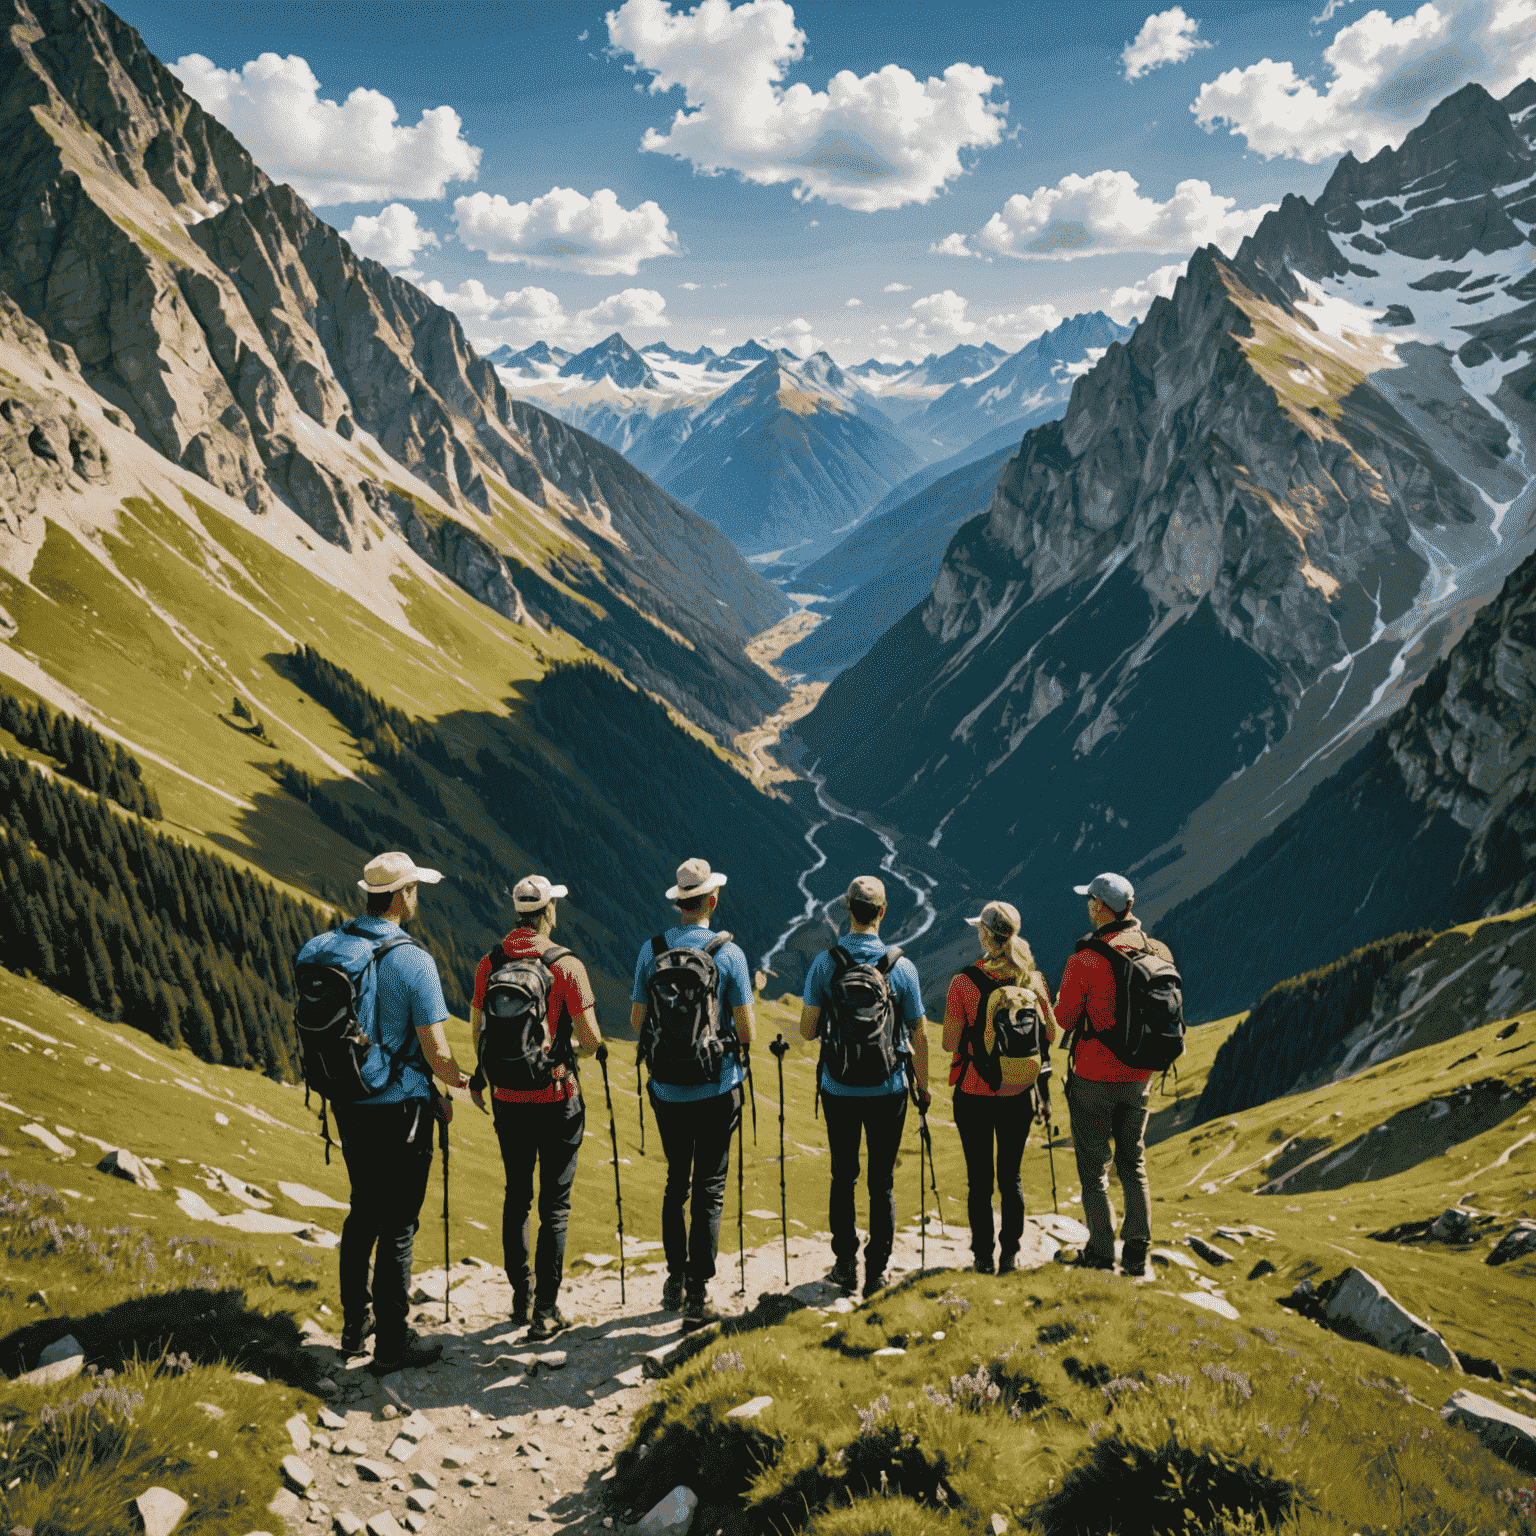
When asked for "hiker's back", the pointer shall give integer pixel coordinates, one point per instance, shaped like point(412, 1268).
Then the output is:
point(868, 995)
point(363, 990)
point(691, 980)
point(1148, 1031)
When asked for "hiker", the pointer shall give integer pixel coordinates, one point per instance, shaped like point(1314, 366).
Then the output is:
point(692, 1015)
point(1106, 1098)
point(999, 1026)
point(865, 1003)
point(386, 1137)
point(540, 1002)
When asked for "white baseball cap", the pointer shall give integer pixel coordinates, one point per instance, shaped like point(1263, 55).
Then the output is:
point(1115, 891)
point(534, 891)
point(389, 871)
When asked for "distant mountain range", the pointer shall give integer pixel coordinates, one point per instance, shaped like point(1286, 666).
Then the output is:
point(1258, 526)
point(820, 445)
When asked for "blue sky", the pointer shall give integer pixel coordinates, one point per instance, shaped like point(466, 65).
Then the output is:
point(827, 151)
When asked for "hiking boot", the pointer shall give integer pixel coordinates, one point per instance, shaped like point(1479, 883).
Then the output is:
point(873, 1283)
point(519, 1318)
point(1084, 1260)
point(984, 1266)
point(355, 1331)
point(414, 1353)
point(845, 1276)
point(1133, 1262)
point(1007, 1263)
point(697, 1312)
point(547, 1322)
point(672, 1294)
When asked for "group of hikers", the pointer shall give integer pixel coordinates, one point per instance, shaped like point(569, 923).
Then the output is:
point(371, 1019)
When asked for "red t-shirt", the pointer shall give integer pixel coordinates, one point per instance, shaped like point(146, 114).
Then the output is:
point(1087, 995)
point(962, 1002)
point(569, 994)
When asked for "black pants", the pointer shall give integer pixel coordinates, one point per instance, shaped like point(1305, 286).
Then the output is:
point(985, 1123)
point(696, 1139)
point(549, 1135)
point(880, 1119)
point(388, 1151)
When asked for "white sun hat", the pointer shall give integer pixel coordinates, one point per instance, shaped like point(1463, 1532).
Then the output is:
point(695, 879)
point(534, 891)
point(390, 871)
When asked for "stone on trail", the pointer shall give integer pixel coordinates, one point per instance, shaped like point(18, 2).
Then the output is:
point(160, 1511)
point(123, 1164)
point(373, 1471)
point(1168, 1256)
point(1506, 1433)
point(401, 1449)
point(1216, 1304)
point(1070, 1233)
point(416, 1428)
point(285, 1504)
point(49, 1140)
point(383, 1524)
point(755, 1405)
point(420, 1499)
point(1207, 1251)
point(1515, 1244)
point(456, 1457)
point(60, 1361)
point(298, 1432)
point(297, 1472)
point(999, 1524)
point(346, 1523)
point(672, 1516)
point(1360, 1306)
point(330, 1419)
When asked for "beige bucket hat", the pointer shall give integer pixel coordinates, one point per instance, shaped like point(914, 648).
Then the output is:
point(695, 879)
point(390, 871)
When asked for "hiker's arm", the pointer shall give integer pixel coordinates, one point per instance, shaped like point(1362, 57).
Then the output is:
point(476, 1025)
point(584, 1024)
point(1047, 1013)
point(636, 1015)
point(954, 1017)
point(746, 1025)
point(439, 1054)
point(810, 1021)
point(920, 1054)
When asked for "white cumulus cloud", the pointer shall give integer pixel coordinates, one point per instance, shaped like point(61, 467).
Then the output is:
point(853, 303)
point(566, 230)
point(951, 245)
point(869, 142)
point(525, 315)
point(1383, 75)
point(1090, 215)
point(391, 236)
point(1134, 300)
point(797, 335)
point(897, 288)
point(1168, 37)
point(352, 152)
point(689, 287)
point(943, 320)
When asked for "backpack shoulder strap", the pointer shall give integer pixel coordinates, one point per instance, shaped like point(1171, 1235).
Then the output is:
point(841, 959)
point(887, 962)
point(658, 947)
point(553, 955)
point(716, 944)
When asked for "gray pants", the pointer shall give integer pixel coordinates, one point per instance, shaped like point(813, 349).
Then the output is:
point(1105, 1113)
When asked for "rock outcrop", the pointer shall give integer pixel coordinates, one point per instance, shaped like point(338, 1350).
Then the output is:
point(1507, 1433)
point(244, 340)
point(1360, 1307)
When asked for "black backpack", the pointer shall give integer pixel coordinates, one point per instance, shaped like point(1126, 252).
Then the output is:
point(858, 1037)
point(1020, 1052)
point(518, 1050)
point(1148, 1032)
point(683, 1040)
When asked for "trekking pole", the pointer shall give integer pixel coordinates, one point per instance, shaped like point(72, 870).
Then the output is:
point(741, 1195)
point(922, 1125)
point(746, 1066)
point(780, 1049)
point(442, 1141)
point(922, 1212)
point(613, 1133)
point(640, 1094)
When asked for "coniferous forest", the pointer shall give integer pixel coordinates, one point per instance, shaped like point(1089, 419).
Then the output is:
point(83, 753)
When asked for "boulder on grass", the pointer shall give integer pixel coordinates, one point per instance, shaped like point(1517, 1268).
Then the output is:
point(1506, 1433)
point(122, 1164)
point(160, 1511)
point(1452, 1225)
point(1515, 1244)
point(672, 1516)
point(1359, 1307)
point(60, 1361)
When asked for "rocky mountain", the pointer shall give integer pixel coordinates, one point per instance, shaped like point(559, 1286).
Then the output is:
point(790, 453)
point(529, 359)
point(1021, 391)
point(1261, 522)
point(1432, 823)
point(613, 359)
point(207, 312)
point(904, 389)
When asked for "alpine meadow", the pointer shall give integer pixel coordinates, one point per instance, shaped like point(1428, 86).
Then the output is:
point(768, 769)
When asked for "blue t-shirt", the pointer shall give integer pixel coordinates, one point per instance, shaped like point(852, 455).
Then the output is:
point(410, 997)
point(735, 992)
point(909, 1007)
